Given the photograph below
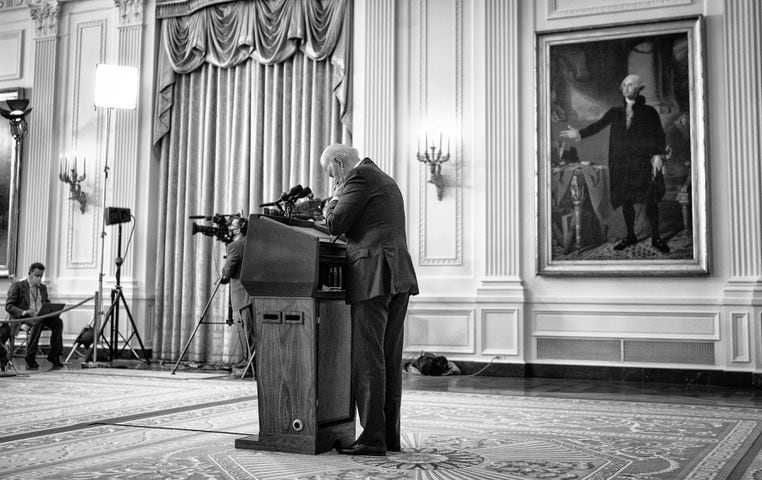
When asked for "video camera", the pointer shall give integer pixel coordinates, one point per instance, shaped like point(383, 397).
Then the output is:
point(220, 228)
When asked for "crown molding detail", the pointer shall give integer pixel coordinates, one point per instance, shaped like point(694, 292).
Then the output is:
point(130, 12)
point(45, 14)
point(556, 10)
point(6, 5)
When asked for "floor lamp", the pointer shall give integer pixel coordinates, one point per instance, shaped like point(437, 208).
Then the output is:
point(115, 87)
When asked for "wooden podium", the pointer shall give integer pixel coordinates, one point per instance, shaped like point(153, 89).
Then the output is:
point(294, 271)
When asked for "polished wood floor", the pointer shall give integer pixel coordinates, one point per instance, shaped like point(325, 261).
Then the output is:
point(536, 387)
point(590, 389)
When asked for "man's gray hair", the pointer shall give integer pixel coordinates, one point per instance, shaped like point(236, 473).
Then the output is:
point(339, 151)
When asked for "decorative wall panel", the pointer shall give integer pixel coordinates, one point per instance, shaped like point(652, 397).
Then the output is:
point(500, 331)
point(89, 42)
point(636, 324)
point(12, 46)
point(741, 337)
point(441, 97)
point(441, 331)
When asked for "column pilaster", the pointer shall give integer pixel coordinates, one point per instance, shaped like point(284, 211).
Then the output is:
point(743, 41)
point(36, 174)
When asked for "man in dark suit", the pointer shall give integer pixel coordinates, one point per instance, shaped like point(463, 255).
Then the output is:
point(240, 301)
point(636, 145)
point(25, 298)
point(367, 206)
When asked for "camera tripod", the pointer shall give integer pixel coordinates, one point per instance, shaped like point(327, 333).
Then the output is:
point(202, 322)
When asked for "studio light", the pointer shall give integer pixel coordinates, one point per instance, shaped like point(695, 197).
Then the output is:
point(116, 86)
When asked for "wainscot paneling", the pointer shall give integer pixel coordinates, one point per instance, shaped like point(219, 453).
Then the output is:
point(500, 331)
point(442, 331)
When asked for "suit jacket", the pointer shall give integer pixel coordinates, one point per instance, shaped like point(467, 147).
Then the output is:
point(18, 297)
point(239, 298)
point(371, 212)
point(630, 149)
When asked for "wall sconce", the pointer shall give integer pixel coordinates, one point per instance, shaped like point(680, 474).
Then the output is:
point(74, 179)
point(434, 160)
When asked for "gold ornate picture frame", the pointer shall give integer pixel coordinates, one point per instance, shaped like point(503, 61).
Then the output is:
point(622, 193)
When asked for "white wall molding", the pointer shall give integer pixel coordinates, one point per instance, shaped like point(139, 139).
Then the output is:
point(45, 14)
point(130, 12)
point(444, 331)
point(740, 337)
point(571, 8)
point(743, 42)
point(631, 324)
point(440, 221)
point(83, 229)
point(12, 46)
point(502, 158)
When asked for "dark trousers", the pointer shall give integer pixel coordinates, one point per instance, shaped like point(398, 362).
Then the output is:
point(5, 334)
point(652, 214)
point(56, 338)
point(377, 337)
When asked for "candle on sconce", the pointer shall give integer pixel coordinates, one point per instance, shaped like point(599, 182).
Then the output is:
point(84, 167)
point(440, 142)
point(427, 140)
point(66, 164)
point(418, 151)
point(448, 145)
point(75, 164)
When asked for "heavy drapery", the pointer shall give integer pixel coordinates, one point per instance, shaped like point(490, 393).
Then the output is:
point(250, 93)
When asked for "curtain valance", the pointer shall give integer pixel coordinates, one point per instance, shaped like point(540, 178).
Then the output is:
point(266, 31)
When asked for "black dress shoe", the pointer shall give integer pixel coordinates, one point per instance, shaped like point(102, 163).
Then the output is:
point(56, 362)
point(626, 242)
point(360, 449)
point(32, 366)
point(659, 244)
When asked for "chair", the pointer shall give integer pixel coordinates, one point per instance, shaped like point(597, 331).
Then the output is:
point(43, 346)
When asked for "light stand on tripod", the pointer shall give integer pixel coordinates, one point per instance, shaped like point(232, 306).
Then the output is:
point(119, 216)
point(116, 87)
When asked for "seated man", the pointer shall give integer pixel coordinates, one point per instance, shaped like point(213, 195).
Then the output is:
point(25, 298)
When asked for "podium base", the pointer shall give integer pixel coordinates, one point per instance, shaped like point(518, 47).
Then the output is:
point(324, 441)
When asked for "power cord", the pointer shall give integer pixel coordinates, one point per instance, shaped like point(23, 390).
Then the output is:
point(496, 357)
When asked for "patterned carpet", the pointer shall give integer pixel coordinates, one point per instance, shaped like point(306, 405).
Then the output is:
point(114, 424)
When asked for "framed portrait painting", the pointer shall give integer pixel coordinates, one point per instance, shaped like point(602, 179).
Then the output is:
point(621, 150)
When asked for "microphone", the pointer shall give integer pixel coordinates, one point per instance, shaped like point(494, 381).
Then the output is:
point(295, 190)
point(199, 217)
point(305, 192)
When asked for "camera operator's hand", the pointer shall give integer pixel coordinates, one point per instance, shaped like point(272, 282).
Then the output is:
point(224, 280)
